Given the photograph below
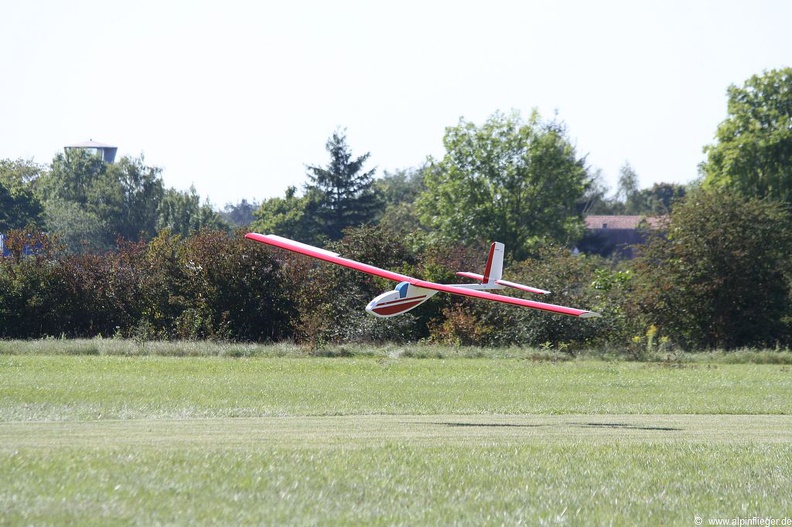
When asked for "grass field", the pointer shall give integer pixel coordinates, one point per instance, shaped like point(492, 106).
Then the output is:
point(385, 439)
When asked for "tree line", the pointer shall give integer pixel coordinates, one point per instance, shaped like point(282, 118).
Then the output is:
point(124, 256)
point(89, 204)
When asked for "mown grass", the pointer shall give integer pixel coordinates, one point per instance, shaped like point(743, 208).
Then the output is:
point(397, 470)
point(133, 348)
point(379, 438)
point(117, 387)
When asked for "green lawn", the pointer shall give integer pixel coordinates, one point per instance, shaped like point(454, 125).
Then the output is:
point(146, 440)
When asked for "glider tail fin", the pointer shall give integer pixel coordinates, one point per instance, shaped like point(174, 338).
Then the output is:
point(492, 277)
point(494, 270)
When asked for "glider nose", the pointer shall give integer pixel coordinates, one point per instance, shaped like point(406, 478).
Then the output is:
point(402, 299)
point(371, 306)
point(391, 304)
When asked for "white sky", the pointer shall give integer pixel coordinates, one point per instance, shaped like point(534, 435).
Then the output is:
point(236, 97)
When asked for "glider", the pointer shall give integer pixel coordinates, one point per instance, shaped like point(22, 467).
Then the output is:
point(412, 292)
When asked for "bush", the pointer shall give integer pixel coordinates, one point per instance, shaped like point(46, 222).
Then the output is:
point(30, 287)
point(234, 290)
point(719, 278)
point(571, 278)
point(575, 281)
point(210, 285)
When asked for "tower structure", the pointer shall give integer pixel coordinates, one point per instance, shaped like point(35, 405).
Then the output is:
point(106, 152)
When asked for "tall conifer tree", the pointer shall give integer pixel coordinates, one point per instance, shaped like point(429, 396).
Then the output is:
point(347, 196)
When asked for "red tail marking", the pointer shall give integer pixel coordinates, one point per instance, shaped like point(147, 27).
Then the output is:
point(489, 264)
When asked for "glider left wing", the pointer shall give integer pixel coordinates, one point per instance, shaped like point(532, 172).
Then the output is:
point(327, 256)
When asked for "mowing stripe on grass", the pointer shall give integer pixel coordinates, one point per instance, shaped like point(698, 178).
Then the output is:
point(396, 470)
point(360, 430)
point(112, 387)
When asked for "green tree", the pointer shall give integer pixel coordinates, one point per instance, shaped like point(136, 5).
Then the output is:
point(658, 200)
point(753, 149)
point(399, 191)
point(401, 186)
point(347, 195)
point(76, 229)
point(595, 199)
point(20, 173)
point(291, 216)
point(138, 190)
point(183, 213)
point(69, 192)
point(508, 180)
point(627, 190)
point(719, 277)
point(240, 214)
point(19, 206)
point(121, 199)
point(73, 176)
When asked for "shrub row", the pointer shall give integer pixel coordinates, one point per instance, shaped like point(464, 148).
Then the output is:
point(219, 286)
point(211, 285)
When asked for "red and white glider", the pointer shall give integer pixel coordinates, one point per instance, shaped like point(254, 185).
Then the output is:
point(412, 292)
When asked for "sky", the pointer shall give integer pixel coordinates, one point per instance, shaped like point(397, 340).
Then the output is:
point(236, 97)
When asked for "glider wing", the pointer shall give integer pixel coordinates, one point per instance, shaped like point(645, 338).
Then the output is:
point(582, 313)
point(328, 256)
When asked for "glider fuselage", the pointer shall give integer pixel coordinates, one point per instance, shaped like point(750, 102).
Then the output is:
point(402, 299)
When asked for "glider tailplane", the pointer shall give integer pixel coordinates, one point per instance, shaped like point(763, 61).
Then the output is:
point(493, 270)
point(491, 279)
point(522, 287)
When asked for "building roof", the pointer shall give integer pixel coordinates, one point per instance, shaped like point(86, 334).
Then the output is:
point(90, 144)
point(620, 222)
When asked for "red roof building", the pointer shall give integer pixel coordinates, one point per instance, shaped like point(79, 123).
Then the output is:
point(616, 235)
